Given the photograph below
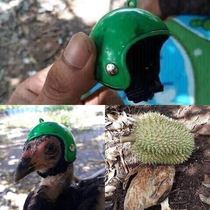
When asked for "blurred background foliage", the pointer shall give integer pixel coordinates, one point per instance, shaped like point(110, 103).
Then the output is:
point(73, 117)
point(6, 107)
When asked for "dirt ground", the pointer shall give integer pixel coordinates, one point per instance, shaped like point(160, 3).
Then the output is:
point(34, 32)
point(31, 38)
point(90, 159)
point(189, 175)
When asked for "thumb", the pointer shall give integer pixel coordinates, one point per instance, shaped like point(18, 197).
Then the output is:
point(72, 73)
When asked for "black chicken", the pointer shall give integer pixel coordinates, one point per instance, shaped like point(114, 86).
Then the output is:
point(59, 188)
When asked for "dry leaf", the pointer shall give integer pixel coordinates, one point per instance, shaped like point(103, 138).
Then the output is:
point(110, 175)
point(206, 182)
point(124, 115)
point(131, 119)
point(108, 123)
point(110, 188)
point(112, 117)
point(111, 153)
point(109, 194)
point(109, 191)
point(124, 118)
point(205, 130)
point(204, 199)
point(204, 119)
point(192, 119)
point(119, 122)
point(117, 125)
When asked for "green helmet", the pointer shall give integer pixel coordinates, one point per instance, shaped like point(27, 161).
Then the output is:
point(56, 129)
point(128, 42)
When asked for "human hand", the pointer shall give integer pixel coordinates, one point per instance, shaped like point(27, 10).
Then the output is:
point(66, 80)
point(152, 6)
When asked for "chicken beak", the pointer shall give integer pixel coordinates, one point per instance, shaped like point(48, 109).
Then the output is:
point(24, 168)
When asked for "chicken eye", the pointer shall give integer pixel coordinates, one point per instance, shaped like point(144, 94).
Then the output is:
point(50, 149)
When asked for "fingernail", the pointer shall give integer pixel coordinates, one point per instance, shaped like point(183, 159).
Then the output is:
point(78, 51)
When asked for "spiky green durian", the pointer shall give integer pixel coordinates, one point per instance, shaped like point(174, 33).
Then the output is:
point(157, 139)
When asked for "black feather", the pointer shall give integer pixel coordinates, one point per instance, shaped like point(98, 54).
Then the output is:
point(38, 202)
point(82, 197)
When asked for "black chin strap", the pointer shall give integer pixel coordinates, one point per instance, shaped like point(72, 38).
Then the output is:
point(138, 93)
point(43, 175)
point(61, 167)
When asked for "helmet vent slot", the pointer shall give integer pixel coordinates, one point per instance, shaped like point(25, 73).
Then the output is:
point(143, 62)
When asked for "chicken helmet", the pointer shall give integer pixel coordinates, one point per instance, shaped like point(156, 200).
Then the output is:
point(56, 129)
point(128, 42)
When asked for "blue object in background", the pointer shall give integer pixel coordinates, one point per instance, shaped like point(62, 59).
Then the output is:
point(26, 109)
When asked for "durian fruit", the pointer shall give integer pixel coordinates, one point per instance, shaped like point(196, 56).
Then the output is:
point(157, 139)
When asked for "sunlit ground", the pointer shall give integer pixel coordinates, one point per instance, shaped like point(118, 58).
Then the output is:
point(92, 10)
point(87, 126)
point(34, 32)
point(89, 11)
